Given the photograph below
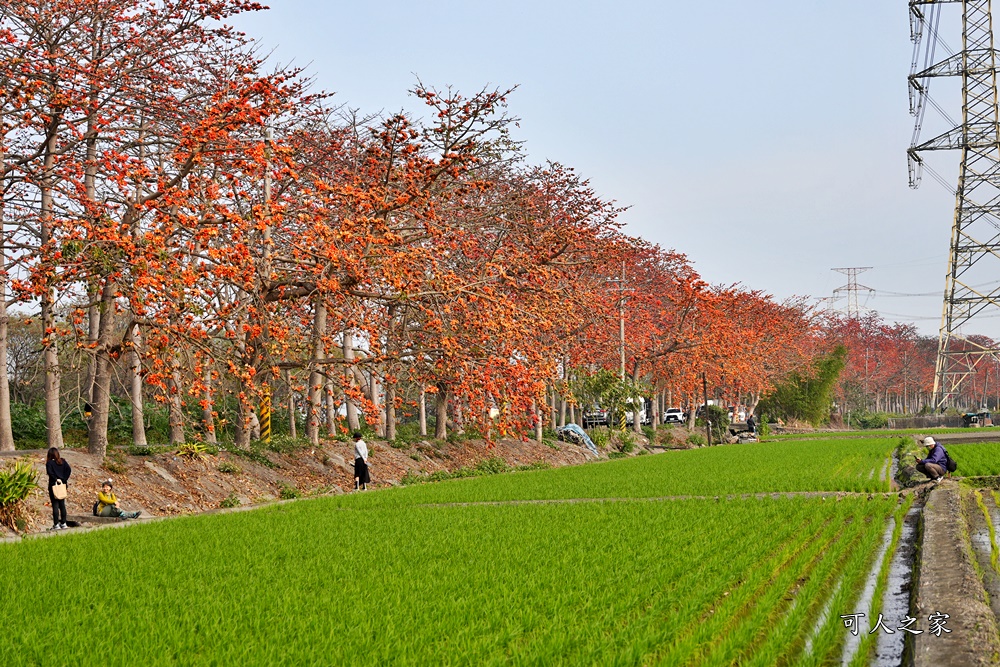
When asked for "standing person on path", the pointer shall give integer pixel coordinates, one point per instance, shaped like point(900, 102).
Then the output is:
point(361, 476)
point(935, 465)
point(752, 424)
point(57, 468)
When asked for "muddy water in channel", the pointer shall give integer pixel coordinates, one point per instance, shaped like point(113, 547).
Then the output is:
point(891, 649)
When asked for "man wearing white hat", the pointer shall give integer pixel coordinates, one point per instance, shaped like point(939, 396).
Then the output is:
point(935, 465)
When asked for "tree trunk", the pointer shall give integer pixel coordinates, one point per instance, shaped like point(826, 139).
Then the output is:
point(243, 424)
point(316, 379)
point(572, 412)
point(100, 405)
point(553, 410)
point(538, 420)
point(176, 403)
point(94, 297)
point(6, 433)
point(331, 410)
point(353, 422)
point(423, 413)
point(441, 410)
point(135, 387)
point(374, 395)
point(390, 411)
point(93, 334)
point(253, 429)
point(53, 416)
point(562, 411)
point(292, 426)
point(654, 405)
point(207, 412)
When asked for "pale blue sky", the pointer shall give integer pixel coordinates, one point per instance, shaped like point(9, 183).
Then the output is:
point(767, 141)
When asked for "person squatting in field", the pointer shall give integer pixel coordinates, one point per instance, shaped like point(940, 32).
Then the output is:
point(935, 465)
point(361, 476)
point(107, 503)
point(57, 468)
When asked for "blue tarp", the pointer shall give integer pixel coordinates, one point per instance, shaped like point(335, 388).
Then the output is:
point(579, 436)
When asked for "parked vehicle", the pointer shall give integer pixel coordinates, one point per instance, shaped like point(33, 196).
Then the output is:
point(674, 416)
point(596, 417)
point(643, 411)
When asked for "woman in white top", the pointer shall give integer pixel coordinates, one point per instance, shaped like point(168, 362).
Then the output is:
point(361, 476)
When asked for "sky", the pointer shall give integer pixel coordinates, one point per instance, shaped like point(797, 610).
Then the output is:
point(766, 141)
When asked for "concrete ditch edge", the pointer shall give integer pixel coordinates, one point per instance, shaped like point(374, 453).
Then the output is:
point(948, 584)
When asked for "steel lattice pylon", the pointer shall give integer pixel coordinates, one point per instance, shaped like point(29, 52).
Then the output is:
point(975, 237)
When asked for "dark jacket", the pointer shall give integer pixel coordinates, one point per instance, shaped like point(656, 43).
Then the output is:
point(58, 470)
point(938, 455)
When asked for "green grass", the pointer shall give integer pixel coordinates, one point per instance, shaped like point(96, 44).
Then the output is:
point(590, 583)
point(413, 576)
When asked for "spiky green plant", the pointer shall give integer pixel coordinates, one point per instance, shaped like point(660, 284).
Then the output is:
point(17, 480)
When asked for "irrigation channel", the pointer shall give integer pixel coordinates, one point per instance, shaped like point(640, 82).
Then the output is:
point(946, 561)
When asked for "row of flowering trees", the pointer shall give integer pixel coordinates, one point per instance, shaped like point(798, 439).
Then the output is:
point(188, 226)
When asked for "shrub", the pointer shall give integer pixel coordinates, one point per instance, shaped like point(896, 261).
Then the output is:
point(696, 439)
point(492, 466)
point(869, 420)
point(648, 432)
point(415, 456)
point(285, 444)
point(617, 455)
point(230, 468)
point(626, 442)
point(288, 491)
point(407, 432)
point(537, 465)
point(116, 462)
point(147, 450)
point(808, 395)
point(719, 417)
point(192, 451)
point(254, 455)
point(27, 422)
point(232, 500)
point(17, 480)
point(601, 437)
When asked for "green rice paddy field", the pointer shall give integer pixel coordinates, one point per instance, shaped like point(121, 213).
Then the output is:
point(976, 459)
point(621, 567)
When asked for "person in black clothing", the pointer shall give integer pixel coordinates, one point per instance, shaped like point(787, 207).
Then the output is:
point(57, 468)
point(752, 424)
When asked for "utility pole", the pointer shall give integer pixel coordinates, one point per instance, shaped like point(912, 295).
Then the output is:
point(852, 288)
point(974, 254)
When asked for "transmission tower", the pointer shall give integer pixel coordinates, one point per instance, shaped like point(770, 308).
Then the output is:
point(852, 288)
point(974, 257)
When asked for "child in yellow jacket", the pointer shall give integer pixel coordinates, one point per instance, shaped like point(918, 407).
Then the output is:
point(107, 503)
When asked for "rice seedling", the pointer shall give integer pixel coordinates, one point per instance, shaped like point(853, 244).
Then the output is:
point(429, 574)
point(581, 583)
